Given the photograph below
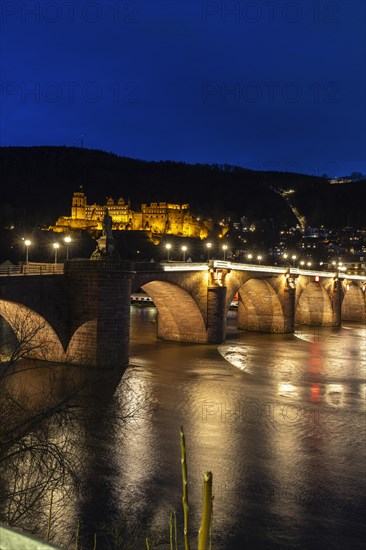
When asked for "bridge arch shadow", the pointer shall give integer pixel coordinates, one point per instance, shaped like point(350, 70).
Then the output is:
point(259, 307)
point(35, 336)
point(314, 306)
point(179, 317)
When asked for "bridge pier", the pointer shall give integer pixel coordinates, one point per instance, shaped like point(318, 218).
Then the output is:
point(336, 301)
point(288, 307)
point(99, 313)
point(216, 314)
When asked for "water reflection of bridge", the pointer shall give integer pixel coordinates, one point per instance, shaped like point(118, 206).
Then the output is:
point(83, 307)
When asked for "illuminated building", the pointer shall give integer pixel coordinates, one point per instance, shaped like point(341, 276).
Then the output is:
point(156, 218)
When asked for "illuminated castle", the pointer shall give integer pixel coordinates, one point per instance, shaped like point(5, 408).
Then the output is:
point(157, 218)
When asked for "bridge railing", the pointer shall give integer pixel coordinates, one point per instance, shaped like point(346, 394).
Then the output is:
point(42, 269)
point(131, 266)
point(10, 270)
point(32, 269)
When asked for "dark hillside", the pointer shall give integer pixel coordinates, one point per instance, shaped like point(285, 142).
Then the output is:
point(37, 184)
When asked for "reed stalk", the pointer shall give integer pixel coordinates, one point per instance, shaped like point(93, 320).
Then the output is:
point(171, 531)
point(204, 534)
point(175, 531)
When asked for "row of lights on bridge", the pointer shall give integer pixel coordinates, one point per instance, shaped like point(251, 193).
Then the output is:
point(184, 249)
point(55, 246)
point(291, 282)
point(249, 256)
point(168, 246)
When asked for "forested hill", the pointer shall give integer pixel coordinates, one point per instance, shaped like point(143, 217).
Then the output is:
point(37, 185)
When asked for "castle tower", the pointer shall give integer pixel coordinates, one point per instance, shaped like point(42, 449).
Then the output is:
point(78, 208)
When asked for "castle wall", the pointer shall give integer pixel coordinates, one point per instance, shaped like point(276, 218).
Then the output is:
point(159, 218)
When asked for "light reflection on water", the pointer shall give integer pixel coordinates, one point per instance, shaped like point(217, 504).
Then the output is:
point(278, 419)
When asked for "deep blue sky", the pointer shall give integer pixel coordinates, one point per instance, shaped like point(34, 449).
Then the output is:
point(263, 84)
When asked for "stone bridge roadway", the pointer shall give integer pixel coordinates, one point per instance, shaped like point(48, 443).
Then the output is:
point(82, 315)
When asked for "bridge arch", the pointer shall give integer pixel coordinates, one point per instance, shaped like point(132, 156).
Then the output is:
point(259, 307)
point(82, 348)
point(179, 317)
point(354, 303)
point(36, 338)
point(314, 306)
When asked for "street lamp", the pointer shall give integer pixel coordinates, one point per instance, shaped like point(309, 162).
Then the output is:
point(209, 245)
point(259, 259)
point(56, 246)
point(184, 248)
point(293, 259)
point(309, 264)
point(250, 256)
point(224, 248)
point(67, 241)
point(27, 243)
point(168, 247)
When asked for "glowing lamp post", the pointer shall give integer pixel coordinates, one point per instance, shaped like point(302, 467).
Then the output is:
point(184, 248)
point(56, 246)
point(67, 241)
point(168, 247)
point(209, 245)
point(250, 256)
point(27, 243)
point(224, 248)
point(293, 259)
point(259, 259)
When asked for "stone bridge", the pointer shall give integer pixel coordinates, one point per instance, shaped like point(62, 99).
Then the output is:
point(82, 315)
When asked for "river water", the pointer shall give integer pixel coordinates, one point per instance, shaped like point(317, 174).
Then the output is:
point(279, 420)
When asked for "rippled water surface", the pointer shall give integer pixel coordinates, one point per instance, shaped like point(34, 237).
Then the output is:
point(278, 419)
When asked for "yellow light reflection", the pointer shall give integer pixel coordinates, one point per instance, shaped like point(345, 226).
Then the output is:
point(287, 390)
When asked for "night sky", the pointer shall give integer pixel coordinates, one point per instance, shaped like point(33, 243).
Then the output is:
point(268, 85)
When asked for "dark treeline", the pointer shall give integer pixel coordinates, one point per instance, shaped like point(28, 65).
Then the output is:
point(38, 182)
